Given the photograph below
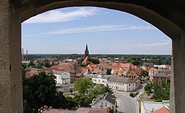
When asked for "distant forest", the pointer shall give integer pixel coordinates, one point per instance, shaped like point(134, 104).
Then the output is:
point(134, 59)
point(74, 56)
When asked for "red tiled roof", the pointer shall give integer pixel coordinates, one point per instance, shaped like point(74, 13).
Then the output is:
point(89, 67)
point(79, 110)
point(164, 109)
point(85, 60)
point(99, 71)
point(166, 71)
point(115, 64)
point(31, 73)
point(84, 68)
point(125, 65)
point(91, 110)
point(58, 111)
point(78, 75)
point(93, 65)
point(60, 68)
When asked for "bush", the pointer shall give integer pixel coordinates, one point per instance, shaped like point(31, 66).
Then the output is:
point(133, 94)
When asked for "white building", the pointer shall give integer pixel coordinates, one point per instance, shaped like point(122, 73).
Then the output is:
point(116, 82)
point(62, 77)
point(123, 83)
point(100, 79)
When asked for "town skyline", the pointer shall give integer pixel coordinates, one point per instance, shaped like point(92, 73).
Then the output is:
point(68, 30)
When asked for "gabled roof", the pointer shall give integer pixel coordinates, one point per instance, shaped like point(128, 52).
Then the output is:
point(58, 111)
point(61, 68)
point(85, 60)
point(31, 73)
point(164, 109)
point(123, 80)
point(91, 110)
point(125, 65)
point(151, 106)
point(110, 98)
point(161, 74)
point(79, 110)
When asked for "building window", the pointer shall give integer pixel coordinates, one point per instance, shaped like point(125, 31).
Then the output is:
point(105, 103)
point(101, 103)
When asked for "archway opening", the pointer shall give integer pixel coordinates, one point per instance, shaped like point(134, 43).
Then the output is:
point(99, 30)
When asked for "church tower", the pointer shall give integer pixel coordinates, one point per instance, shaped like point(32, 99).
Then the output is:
point(86, 51)
point(86, 55)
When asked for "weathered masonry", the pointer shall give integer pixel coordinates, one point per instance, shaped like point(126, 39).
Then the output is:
point(167, 15)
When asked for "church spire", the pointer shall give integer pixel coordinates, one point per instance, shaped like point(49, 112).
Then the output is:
point(86, 51)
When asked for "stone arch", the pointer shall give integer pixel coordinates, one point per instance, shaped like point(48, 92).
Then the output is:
point(168, 16)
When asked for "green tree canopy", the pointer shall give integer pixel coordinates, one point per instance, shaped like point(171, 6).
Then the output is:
point(83, 84)
point(38, 90)
point(109, 71)
point(144, 73)
point(46, 63)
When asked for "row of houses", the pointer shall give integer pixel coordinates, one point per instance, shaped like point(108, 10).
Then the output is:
point(117, 82)
point(160, 73)
point(101, 104)
point(68, 72)
point(72, 66)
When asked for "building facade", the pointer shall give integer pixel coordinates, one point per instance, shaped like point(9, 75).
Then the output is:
point(123, 83)
point(107, 101)
point(62, 77)
point(100, 79)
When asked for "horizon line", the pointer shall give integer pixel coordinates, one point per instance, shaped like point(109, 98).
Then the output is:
point(91, 54)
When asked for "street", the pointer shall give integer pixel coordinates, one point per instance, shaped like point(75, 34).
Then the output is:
point(125, 103)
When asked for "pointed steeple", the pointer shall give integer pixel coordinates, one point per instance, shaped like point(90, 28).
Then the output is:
point(86, 51)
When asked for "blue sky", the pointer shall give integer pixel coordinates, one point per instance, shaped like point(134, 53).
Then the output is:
point(68, 30)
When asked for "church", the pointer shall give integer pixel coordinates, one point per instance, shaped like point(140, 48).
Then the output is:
point(86, 55)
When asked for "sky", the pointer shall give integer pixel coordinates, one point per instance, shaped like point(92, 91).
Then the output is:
point(105, 31)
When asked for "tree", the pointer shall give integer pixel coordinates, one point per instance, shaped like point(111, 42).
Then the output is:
point(136, 61)
point(46, 63)
point(161, 91)
point(94, 61)
point(109, 71)
point(83, 84)
point(31, 64)
point(148, 88)
point(70, 104)
point(82, 100)
point(144, 73)
point(38, 90)
point(24, 66)
point(60, 101)
point(38, 66)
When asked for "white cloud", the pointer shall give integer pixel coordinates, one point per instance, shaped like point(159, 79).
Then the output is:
point(100, 28)
point(59, 16)
point(158, 47)
point(167, 43)
point(160, 43)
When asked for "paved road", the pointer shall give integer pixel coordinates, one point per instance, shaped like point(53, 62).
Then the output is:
point(125, 103)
